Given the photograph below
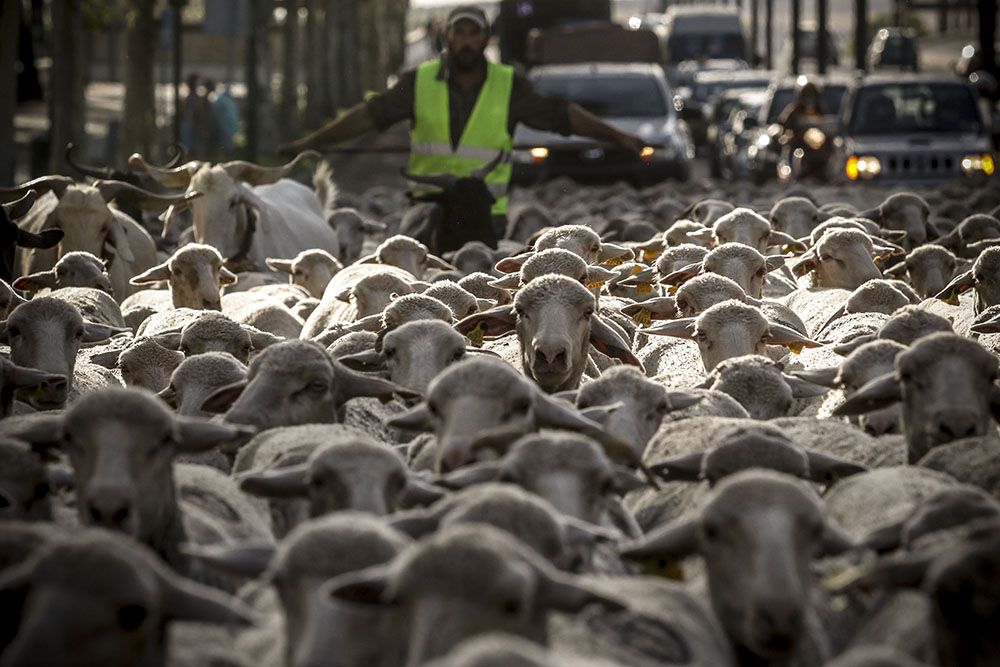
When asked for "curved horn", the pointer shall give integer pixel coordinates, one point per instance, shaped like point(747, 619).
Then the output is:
point(483, 171)
point(43, 184)
point(443, 181)
point(179, 151)
point(177, 177)
point(20, 207)
point(254, 174)
point(85, 169)
point(142, 198)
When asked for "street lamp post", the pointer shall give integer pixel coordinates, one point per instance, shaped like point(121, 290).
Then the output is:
point(177, 6)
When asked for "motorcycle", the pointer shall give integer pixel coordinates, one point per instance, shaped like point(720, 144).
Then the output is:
point(806, 156)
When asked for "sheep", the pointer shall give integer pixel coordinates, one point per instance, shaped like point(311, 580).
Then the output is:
point(262, 313)
point(198, 377)
point(194, 274)
point(25, 483)
point(14, 378)
point(310, 269)
point(970, 460)
point(555, 261)
point(796, 216)
point(744, 226)
point(208, 331)
point(905, 212)
point(554, 319)
point(742, 264)
point(295, 382)
point(351, 228)
point(46, 334)
point(731, 329)
point(441, 576)
point(74, 269)
point(936, 408)
point(774, 525)
point(864, 364)
point(971, 236)
point(684, 232)
point(312, 553)
point(112, 601)
point(461, 302)
point(843, 258)
point(139, 307)
point(706, 211)
point(479, 285)
point(356, 292)
point(412, 354)
point(353, 343)
point(928, 269)
point(873, 296)
point(760, 385)
point(144, 363)
point(407, 254)
point(905, 327)
point(582, 241)
point(473, 257)
point(570, 471)
point(479, 402)
point(983, 276)
point(9, 300)
point(348, 474)
point(122, 444)
point(93, 304)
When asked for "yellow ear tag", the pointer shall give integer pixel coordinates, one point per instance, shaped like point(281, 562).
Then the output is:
point(644, 288)
point(636, 270)
point(651, 255)
point(614, 261)
point(673, 289)
point(595, 285)
point(643, 317)
point(795, 348)
point(476, 335)
point(952, 300)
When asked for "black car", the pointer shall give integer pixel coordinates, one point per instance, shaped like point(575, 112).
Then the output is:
point(743, 122)
point(721, 114)
point(696, 102)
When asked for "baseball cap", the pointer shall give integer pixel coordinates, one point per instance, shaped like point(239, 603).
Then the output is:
point(470, 13)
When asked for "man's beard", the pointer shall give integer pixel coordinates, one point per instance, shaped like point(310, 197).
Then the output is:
point(467, 59)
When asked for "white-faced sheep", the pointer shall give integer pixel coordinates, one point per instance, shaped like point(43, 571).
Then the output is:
point(310, 269)
point(198, 377)
point(74, 269)
point(351, 228)
point(194, 274)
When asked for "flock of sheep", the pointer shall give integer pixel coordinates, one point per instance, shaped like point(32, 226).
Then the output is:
point(652, 428)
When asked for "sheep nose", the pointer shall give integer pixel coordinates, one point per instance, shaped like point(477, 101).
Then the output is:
point(956, 424)
point(776, 627)
point(550, 355)
point(211, 304)
point(109, 510)
point(877, 424)
point(454, 458)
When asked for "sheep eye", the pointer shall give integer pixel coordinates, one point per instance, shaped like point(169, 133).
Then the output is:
point(389, 352)
point(13, 332)
point(588, 313)
point(511, 607)
point(710, 531)
point(131, 617)
point(760, 272)
point(317, 387)
point(78, 334)
point(458, 356)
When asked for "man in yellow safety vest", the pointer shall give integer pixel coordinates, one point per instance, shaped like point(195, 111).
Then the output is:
point(463, 111)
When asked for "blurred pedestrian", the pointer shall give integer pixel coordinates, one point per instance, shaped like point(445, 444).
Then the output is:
point(195, 117)
point(226, 117)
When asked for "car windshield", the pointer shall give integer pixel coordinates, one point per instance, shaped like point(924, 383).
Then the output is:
point(808, 43)
point(608, 96)
point(833, 97)
point(899, 51)
point(704, 92)
point(915, 107)
point(694, 46)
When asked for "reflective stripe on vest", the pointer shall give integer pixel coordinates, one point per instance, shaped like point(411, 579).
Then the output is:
point(484, 135)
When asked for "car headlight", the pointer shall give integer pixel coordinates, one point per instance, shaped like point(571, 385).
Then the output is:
point(536, 155)
point(655, 153)
point(864, 166)
point(984, 163)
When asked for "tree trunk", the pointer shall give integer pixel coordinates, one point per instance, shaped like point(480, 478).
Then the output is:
point(987, 35)
point(66, 89)
point(290, 72)
point(10, 27)
point(139, 123)
point(314, 74)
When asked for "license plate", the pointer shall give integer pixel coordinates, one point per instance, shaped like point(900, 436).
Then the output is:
point(593, 154)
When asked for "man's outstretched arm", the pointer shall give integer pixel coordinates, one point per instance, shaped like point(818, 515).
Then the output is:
point(586, 124)
point(355, 122)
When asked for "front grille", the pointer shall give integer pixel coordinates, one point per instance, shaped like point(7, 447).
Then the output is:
point(921, 165)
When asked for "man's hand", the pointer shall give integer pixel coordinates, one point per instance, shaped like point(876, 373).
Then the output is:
point(631, 143)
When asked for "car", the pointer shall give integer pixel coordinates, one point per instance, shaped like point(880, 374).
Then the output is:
point(696, 102)
point(913, 129)
point(893, 49)
point(764, 151)
point(808, 49)
point(720, 118)
point(729, 156)
point(633, 97)
point(694, 34)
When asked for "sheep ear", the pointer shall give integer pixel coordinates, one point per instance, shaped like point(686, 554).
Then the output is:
point(369, 361)
point(351, 384)
point(824, 377)
point(844, 349)
point(287, 482)
point(803, 388)
point(417, 418)
point(168, 396)
point(369, 586)
point(679, 328)
point(959, 284)
point(227, 277)
point(703, 235)
point(682, 275)
point(222, 398)
point(673, 541)
point(249, 561)
point(495, 322)
point(513, 264)
point(95, 333)
point(466, 476)
point(435, 262)
point(561, 593)
point(685, 468)
point(827, 469)
point(598, 274)
point(279, 265)
point(260, 339)
point(41, 430)
point(553, 413)
point(885, 539)
point(510, 281)
point(679, 400)
point(371, 323)
point(153, 275)
point(626, 481)
point(169, 341)
point(774, 262)
point(806, 263)
point(898, 271)
point(790, 338)
point(193, 434)
point(568, 395)
point(661, 307)
point(834, 542)
point(600, 413)
point(22, 377)
point(609, 343)
point(45, 239)
point(367, 259)
point(184, 600)
point(36, 281)
point(610, 251)
point(987, 326)
point(107, 359)
point(644, 277)
point(417, 523)
point(345, 295)
point(418, 493)
point(788, 243)
point(372, 226)
point(879, 393)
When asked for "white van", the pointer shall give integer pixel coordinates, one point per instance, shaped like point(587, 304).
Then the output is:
point(699, 33)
